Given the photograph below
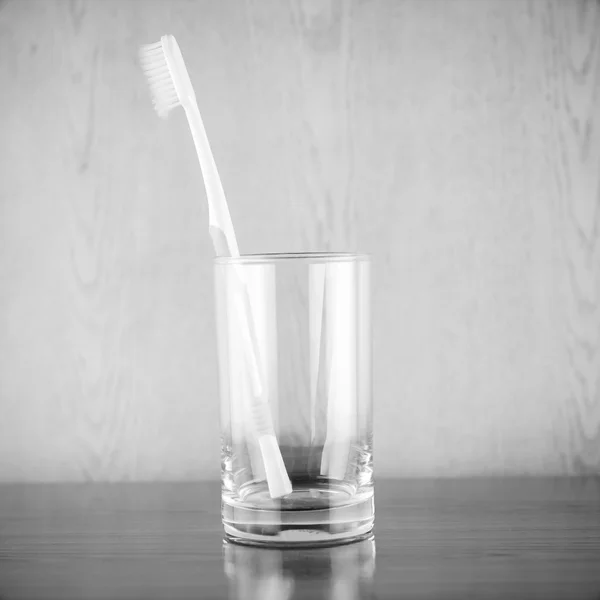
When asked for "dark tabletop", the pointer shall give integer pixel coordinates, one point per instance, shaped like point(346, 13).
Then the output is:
point(502, 538)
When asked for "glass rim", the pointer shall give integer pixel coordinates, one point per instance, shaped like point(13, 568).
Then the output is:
point(277, 257)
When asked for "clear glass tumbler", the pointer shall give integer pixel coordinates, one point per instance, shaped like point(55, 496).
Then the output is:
point(294, 341)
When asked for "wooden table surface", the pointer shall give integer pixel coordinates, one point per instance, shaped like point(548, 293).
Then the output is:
point(502, 538)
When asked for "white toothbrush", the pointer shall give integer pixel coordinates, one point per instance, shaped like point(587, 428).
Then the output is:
point(170, 87)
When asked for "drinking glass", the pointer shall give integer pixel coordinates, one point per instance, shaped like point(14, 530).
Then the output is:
point(294, 348)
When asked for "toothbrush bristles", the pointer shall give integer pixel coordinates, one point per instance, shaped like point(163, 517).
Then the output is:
point(155, 67)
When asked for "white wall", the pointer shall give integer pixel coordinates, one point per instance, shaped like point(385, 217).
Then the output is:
point(456, 141)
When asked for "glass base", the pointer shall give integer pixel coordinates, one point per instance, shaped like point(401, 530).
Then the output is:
point(314, 514)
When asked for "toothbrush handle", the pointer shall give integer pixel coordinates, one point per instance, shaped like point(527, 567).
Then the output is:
point(219, 241)
point(259, 411)
point(224, 242)
point(223, 235)
point(218, 211)
point(249, 337)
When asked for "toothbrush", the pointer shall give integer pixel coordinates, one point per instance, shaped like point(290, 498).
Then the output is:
point(170, 87)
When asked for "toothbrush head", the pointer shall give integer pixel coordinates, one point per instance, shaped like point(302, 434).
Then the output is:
point(169, 82)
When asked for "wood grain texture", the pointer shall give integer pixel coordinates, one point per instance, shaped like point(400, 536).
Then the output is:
point(457, 142)
point(500, 538)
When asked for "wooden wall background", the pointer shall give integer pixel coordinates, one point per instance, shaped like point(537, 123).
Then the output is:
point(456, 141)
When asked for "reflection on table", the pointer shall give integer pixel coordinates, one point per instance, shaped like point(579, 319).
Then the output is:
point(337, 573)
